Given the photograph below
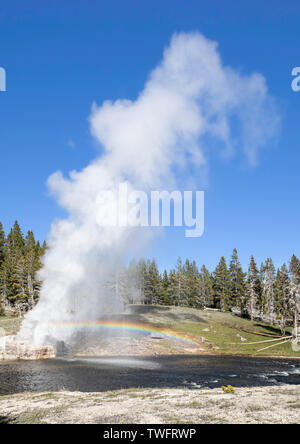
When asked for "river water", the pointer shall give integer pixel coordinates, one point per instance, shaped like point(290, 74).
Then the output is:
point(101, 374)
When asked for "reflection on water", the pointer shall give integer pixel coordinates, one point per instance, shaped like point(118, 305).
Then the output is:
point(101, 374)
point(119, 362)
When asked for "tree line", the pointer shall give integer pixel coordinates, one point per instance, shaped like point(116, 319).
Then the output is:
point(20, 259)
point(262, 293)
point(266, 293)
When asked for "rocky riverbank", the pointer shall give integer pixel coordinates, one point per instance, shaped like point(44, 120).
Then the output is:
point(12, 349)
point(269, 405)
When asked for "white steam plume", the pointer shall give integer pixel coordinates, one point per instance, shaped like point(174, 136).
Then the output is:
point(190, 95)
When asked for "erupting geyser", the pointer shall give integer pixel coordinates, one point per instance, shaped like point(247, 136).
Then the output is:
point(190, 95)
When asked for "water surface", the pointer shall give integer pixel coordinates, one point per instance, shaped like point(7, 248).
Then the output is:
point(102, 374)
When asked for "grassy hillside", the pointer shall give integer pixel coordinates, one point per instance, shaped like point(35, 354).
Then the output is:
point(222, 331)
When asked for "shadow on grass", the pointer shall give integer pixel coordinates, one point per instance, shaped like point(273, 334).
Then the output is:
point(271, 329)
point(139, 311)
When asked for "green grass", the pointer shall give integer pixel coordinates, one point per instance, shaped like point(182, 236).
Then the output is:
point(223, 330)
point(224, 340)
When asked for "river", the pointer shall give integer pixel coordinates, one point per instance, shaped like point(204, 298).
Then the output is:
point(102, 374)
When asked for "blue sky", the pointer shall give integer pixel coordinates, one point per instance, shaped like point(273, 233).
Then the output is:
point(60, 57)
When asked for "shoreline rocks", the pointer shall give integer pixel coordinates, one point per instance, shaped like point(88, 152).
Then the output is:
point(12, 349)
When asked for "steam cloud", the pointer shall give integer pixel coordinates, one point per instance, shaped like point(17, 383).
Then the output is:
point(189, 97)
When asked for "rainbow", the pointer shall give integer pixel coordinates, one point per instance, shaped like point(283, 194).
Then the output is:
point(125, 326)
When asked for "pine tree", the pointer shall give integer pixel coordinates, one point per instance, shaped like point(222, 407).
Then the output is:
point(141, 279)
point(238, 284)
point(282, 293)
point(180, 291)
point(267, 279)
point(173, 286)
point(4, 281)
point(192, 283)
point(32, 264)
point(2, 244)
point(222, 286)
point(295, 290)
point(166, 298)
point(206, 289)
point(16, 269)
point(148, 300)
point(43, 248)
point(254, 291)
point(20, 298)
point(152, 290)
point(2, 273)
point(16, 238)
